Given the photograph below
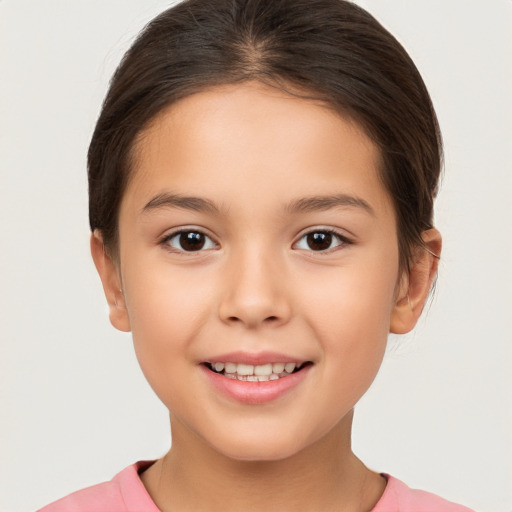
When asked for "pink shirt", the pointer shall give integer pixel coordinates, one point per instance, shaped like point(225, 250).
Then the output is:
point(126, 493)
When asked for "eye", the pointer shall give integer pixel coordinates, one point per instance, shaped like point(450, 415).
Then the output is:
point(321, 240)
point(189, 241)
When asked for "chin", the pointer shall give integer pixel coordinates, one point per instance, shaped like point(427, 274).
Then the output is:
point(259, 448)
point(258, 453)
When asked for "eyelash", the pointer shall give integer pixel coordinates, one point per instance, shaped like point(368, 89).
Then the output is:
point(166, 239)
point(343, 240)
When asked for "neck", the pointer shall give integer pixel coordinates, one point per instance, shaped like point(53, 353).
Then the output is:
point(324, 476)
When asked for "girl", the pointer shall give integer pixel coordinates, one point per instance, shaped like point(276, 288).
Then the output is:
point(261, 186)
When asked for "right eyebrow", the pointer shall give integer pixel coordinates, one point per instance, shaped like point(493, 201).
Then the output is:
point(197, 204)
point(322, 203)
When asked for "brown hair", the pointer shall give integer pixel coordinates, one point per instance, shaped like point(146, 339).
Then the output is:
point(332, 49)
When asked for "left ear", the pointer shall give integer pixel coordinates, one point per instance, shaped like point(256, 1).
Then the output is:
point(415, 286)
point(109, 273)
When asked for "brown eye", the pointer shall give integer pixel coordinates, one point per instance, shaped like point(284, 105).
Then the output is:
point(321, 241)
point(189, 241)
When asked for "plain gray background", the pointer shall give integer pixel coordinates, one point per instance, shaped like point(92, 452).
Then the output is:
point(75, 408)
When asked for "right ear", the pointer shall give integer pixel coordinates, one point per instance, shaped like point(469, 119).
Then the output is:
point(111, 280)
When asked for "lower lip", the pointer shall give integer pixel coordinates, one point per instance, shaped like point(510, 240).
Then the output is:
point(255, 392)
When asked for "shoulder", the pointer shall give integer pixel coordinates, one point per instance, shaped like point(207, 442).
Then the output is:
point(100, 498)
point(398, 497)
point(124, 493)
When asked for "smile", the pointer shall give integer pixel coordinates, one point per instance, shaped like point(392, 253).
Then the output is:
point(255, 373)
point(255, 378)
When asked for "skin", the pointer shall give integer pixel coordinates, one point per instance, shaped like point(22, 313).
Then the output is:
point(257, 285)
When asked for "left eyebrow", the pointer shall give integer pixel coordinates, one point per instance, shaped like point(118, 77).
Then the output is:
point(322, 203)
point(166, 200)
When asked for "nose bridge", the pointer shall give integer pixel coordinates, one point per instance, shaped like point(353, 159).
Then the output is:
point(254, 292)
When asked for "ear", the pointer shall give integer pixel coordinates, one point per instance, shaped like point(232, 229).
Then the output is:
point(414, 287)
point(112, 284)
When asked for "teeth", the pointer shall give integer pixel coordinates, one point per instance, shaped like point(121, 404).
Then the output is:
point(245, 369)
point(264, 369)
point(254, 373)
point(278, 368)
point(230, 368)
point(289, 367)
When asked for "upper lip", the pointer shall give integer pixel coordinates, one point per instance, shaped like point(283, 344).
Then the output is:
point(254, 358)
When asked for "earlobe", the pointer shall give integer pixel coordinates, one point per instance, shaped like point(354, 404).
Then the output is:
point(112, 286)
point(415, 286)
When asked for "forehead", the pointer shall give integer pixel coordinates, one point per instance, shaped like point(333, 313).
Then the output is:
point(252, 141)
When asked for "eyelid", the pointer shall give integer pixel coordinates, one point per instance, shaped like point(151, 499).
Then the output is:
point(343, 238)
point(163, 240)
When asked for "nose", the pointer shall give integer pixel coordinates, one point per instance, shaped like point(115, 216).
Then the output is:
point(254, 291)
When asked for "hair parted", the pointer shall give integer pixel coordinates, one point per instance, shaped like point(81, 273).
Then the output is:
point(332, 50)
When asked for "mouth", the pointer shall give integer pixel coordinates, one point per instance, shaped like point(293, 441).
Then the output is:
point(256, 379)
point(256, 373)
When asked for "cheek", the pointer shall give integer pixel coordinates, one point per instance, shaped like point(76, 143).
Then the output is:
point(355, 298)
point(350, 310)
point(166, 312)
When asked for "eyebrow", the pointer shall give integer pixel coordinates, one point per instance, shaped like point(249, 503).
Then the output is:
point(322, 203)
point(166, 200)
point(303, 205)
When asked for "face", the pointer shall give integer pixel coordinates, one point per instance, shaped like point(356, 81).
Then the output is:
point(258, 260)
